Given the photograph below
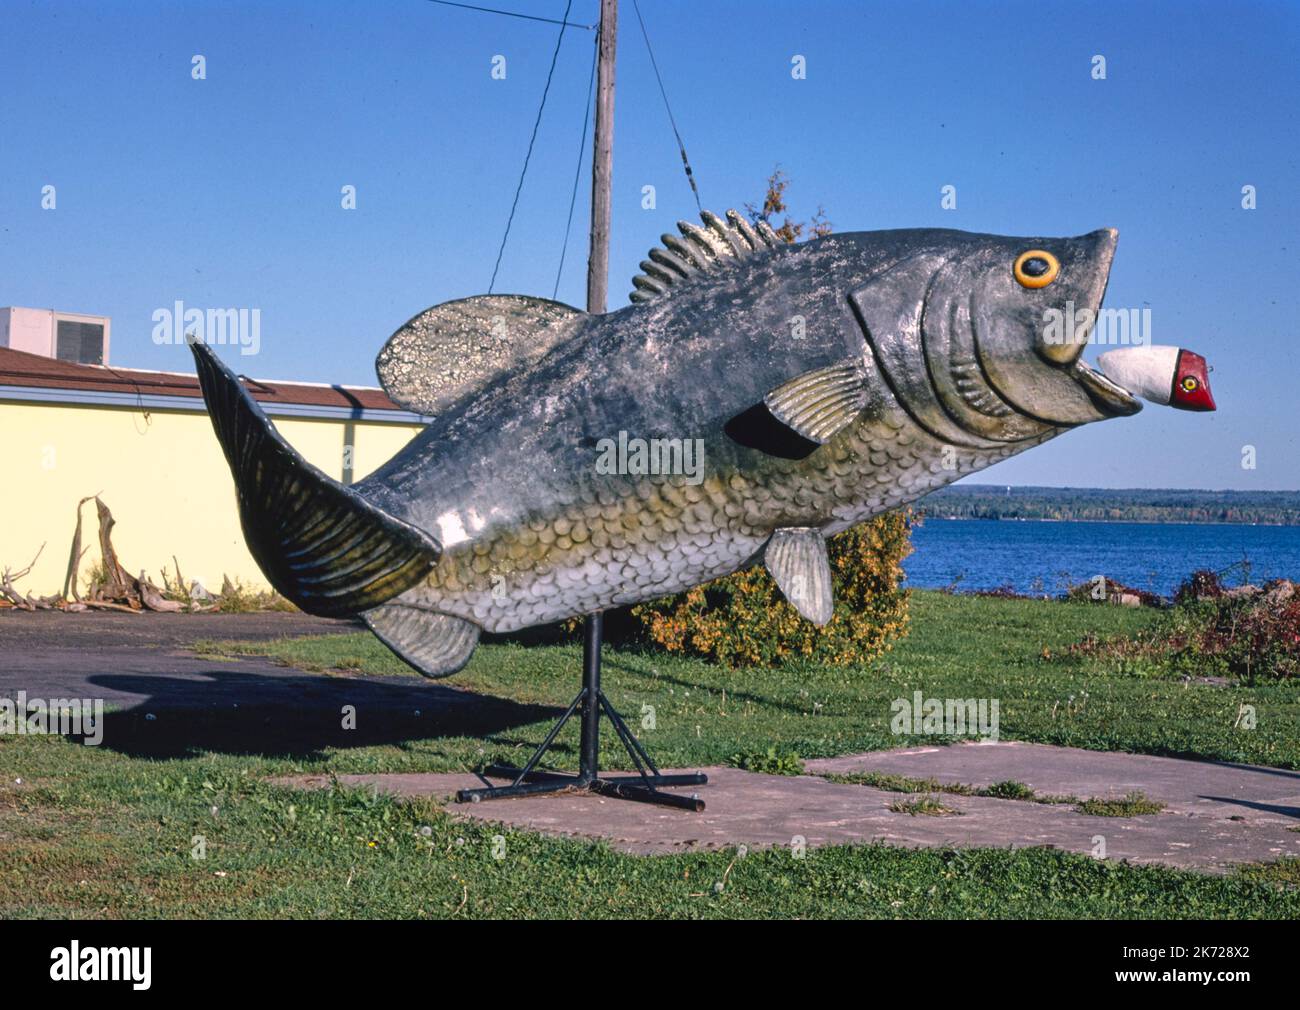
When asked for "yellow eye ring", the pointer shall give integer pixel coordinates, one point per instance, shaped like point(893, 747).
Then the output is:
point(1190, 384)
point(1030, 271)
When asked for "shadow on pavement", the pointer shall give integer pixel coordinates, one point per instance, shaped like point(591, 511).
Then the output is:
point(1267, 808)
point(237, 712)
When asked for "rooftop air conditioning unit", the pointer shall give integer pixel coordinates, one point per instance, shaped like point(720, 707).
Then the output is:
point(67, 336)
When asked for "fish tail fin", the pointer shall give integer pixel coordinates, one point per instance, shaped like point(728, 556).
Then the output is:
point(320, 544)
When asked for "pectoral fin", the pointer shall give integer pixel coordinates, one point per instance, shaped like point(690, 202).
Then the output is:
point(820, 403)
point(797, 560)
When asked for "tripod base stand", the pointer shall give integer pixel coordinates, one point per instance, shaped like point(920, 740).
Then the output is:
point(643, 787)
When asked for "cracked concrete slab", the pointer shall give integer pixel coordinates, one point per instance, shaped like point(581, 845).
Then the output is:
point(1218, 815)
point(1204, 788)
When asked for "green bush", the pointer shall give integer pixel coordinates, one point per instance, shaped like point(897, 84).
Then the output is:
point(743, 620)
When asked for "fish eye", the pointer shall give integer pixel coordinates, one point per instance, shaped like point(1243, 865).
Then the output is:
point(1189, 384)
point(1036, 268)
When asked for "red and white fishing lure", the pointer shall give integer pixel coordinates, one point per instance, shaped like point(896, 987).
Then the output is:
point(1161, 374)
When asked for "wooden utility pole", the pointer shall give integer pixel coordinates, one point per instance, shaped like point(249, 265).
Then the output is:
point(602, 171)
point(591, 701)
point(602, 159)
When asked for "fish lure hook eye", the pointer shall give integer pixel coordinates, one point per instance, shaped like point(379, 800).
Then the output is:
point(1036, 268)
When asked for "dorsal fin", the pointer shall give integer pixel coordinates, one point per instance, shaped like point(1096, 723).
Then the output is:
point(457, 347)
point(700, 250)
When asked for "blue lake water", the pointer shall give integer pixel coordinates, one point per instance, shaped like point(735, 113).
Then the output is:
point(1043, 557)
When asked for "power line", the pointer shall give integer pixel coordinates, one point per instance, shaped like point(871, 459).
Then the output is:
point(690, 176)
point(577, 172)
point(531, 140)
point(513, 14)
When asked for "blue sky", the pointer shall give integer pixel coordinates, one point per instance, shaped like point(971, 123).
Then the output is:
point(225, 192)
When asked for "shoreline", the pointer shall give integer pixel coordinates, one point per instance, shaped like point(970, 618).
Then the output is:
point(1132, 522)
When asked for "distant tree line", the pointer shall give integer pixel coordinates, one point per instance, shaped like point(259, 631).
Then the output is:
point(1138, 505)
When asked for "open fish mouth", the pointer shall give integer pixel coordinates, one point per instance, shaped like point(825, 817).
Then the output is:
point(1106, 393)
point(1109, 395)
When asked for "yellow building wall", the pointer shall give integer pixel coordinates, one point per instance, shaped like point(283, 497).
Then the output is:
point(163, 476)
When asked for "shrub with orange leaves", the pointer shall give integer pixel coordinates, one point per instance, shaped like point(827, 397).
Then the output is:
point(743, 620)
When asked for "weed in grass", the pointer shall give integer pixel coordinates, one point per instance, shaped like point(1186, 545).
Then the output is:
point(899, 783)
point(1052, 799)
point(1135, 804)
point(213, 648)
point(925, 806)
point(1009, 790)
point(237, 598)
point(769, 762)
point(1283, 873)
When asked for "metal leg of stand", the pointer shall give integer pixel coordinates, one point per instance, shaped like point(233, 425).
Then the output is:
point(644, 787)
point(593, 637)
point(527, 769)
point(640, 759)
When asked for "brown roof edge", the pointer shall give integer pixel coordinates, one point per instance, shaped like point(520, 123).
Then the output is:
point(19, 368)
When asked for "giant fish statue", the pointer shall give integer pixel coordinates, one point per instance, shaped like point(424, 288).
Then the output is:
point(754, 399)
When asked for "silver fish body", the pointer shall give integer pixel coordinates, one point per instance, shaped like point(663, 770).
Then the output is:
point(805, 388)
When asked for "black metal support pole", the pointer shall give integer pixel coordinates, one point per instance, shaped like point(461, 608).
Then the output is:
point(646, 786)
point(593, 637)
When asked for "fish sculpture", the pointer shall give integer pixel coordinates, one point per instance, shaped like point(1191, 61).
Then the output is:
point(754, 399)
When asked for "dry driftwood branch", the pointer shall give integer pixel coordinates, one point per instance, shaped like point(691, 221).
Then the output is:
point(74, 557)
point(30, 565)
point(14, 599)
point(105, 605)
point(117, 579)
point(7, 589)
point(112, 587)
point(153, 599)
point(9, 593)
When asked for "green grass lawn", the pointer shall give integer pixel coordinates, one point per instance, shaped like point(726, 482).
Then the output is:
point(98, 832)
point(959, 647)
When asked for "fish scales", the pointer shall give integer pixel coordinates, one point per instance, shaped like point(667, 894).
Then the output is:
point(655, 554)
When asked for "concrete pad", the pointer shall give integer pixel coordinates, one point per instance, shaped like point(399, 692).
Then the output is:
point(767, 810)
point(1203, 788)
